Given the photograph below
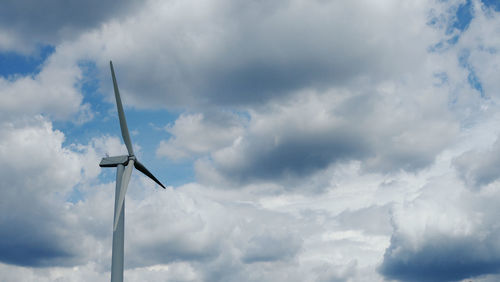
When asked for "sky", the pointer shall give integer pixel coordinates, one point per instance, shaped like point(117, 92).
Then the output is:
point(299, 140)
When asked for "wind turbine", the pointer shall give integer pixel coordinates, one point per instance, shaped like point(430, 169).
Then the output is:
point(124, 165)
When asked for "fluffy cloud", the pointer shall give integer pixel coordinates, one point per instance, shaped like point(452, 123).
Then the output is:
point(387, 128)
point(200, 134)
point(445, 234)
point(44, 222)
point(37, 174)
point(53, 92)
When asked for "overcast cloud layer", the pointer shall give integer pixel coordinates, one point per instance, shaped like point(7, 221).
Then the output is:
point(324, 140)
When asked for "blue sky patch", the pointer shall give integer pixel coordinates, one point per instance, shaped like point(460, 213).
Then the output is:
point(472, 78)
point(463, 16)
point(12, 63)
point(494, 4)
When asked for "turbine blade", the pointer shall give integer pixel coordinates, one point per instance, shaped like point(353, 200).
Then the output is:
point(144, 170)
point(121, 114)
point(123, 191)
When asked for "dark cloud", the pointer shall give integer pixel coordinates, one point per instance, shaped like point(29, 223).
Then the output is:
point(50, 22)
point(32, 232)
point(312, 131)
point(296, 156)
point(442, 257)
point(27, 242)
point(447, 233)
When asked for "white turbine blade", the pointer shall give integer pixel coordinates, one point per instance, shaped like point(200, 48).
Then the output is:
point(121, 114)
point(123, 191)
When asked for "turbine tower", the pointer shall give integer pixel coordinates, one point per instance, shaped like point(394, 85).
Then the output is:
point(124, 165)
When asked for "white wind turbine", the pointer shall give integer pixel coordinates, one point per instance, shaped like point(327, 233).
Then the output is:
point(124, 166)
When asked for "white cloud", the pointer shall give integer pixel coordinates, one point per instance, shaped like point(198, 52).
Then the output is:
point(54, 92)
point(38, 174)
point(200, 134)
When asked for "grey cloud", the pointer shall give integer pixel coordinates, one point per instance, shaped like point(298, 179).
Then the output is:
point(479, 168)
point(296, 156)
point(36, 175)
point(328, 273)
point(171, 250)
point(448, 233)
point(312, 131)
point(373, 219)
point(442, 257)
point(243, 55)
point(33, 238)
point(189, 230)
point(51, 22)
point(263, 248)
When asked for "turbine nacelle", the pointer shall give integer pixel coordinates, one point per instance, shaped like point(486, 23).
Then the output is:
point(124, 160)
point(114, 161)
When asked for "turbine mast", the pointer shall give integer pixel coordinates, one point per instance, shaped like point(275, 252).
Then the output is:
point(124, 166)
point(117, 254)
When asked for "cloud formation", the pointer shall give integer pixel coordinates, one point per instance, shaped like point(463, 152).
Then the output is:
point(331, 141)
point(314, 130)
point(37, 174)
point(444, 236)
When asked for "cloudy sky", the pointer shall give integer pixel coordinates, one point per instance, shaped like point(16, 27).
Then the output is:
point(300, 140)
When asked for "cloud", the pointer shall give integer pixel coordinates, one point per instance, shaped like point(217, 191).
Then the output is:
point(271, 247)
point(373, 219)
point(37, 173)
point(52, 215)
point(479, 168)
point(337, 274)
point(445, 234)
point(245, 54)
point(54, 92)
point(199, 230)
point(480, 42)
point(26, 24)
point(199, 134)
point(315, 130)
point(187, 230)
point(193, 233)
point(442, 258)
